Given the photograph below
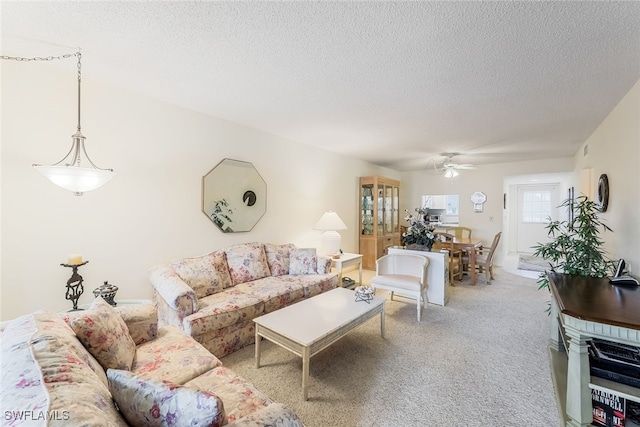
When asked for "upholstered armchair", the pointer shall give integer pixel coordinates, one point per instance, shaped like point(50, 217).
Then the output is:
point(405, 274)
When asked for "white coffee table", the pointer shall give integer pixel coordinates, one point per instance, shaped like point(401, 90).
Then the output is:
point(309, 326)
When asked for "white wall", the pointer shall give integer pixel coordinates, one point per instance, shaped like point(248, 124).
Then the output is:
point(150, 212)
point(488, 179)
point(614, 149)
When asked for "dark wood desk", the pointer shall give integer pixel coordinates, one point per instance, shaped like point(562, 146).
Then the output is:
point(583, 308)
point(469, 245)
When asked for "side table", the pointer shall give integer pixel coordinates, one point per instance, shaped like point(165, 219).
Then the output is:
point(347, 260)
point(121, 302)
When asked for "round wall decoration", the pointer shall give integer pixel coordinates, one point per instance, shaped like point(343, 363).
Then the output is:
point(603, 192)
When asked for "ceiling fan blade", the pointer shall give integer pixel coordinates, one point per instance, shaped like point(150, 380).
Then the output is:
point(466, 166)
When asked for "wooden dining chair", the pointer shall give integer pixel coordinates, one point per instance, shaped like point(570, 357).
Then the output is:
point(461, 232)
point(485, 262)
point(444, 242)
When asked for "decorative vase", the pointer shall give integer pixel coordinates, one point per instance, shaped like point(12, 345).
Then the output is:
point(417, 247)
point(106, 291)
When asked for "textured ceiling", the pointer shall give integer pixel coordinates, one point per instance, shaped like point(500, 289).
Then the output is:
point(393, 83)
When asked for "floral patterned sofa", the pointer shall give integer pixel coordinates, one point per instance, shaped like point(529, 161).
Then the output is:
point(215, 297)
point(113, 367)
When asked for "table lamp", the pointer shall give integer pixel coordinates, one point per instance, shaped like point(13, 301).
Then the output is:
point(329, 223)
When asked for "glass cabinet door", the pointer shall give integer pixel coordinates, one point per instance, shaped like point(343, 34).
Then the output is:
point(380, 209)
point(366, 210)
point(395, 215)
point(388, 210)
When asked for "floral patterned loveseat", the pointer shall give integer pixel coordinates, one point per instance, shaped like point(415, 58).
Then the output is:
point(110, 366)
point(215, 297)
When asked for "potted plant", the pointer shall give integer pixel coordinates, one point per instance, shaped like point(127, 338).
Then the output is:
point(576, 246)
point(420, 234)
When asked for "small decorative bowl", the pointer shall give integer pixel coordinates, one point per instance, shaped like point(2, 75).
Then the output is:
point(364, 293)
point(107, 292)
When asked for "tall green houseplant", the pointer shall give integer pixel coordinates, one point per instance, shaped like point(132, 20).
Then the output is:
point(576, 246)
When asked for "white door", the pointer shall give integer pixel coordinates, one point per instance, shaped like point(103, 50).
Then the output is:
point(536, 204)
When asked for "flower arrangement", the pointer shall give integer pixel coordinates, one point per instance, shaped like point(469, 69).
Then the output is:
point(419, 232)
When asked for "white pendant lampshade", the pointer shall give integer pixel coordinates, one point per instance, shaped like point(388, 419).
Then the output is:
point(331, 239)
point(70, 173)
point(76, 172)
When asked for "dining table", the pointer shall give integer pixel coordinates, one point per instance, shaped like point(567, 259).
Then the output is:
point(470, 246)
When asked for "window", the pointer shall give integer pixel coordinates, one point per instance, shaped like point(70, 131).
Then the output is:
point(536, 206)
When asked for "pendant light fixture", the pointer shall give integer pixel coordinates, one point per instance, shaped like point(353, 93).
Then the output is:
point(75, 172)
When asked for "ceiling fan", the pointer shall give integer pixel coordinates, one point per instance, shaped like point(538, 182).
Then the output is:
point(450, 169)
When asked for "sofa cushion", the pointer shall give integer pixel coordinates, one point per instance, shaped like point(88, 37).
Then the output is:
point(247, 262)
point(173, 356)
point(105, 334)
point(313, 284)
point(303, 261)
point(278, 258)
point(141, 320)
point(221, 310)
point(206, 274)
point(44, 371)
point(146, 402)
point(274, 292)
point(240, 397)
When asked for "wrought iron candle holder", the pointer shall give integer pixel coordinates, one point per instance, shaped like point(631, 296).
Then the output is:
point(74, 285)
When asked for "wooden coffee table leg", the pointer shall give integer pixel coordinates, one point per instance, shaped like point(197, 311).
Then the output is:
point(305, 373)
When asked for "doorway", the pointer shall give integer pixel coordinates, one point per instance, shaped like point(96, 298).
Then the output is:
point(535, 205)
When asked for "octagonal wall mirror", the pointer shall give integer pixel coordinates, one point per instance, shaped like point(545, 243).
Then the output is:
point(234, 196)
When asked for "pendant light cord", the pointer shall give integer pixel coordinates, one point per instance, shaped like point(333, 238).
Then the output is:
point(54, 58)
point(79, 55)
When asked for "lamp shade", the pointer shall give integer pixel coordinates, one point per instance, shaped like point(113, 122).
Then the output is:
point(330, 221)
point(331, 239)
point(76, 179)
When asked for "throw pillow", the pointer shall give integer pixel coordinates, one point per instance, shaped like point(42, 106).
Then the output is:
point(247, 262)
point(146, 402)
point(105, 335)
point(278, 258)
point(303, 261)
point(206, 275)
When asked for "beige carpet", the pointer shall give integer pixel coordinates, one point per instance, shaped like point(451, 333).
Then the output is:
point(480, 361)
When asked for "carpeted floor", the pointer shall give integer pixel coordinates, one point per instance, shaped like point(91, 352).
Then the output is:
point(482, 360)
point(532, 263)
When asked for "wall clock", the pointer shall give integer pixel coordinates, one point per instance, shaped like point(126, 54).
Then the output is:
point(603, 192)
point(478, 198)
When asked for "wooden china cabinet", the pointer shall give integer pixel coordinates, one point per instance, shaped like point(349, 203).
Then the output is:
point(379, 217)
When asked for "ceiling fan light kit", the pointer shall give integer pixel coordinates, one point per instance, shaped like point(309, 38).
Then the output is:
point(448, 167)
point(450, 173)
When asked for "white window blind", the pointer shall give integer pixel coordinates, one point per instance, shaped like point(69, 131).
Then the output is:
point(536, 206)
